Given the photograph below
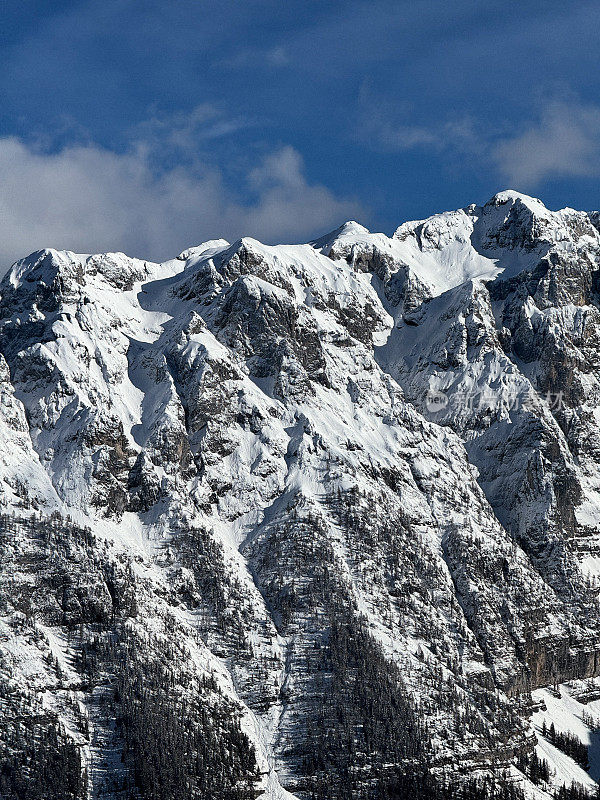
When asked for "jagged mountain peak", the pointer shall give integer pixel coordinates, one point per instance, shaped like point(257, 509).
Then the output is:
point(350, 229)
point(205, 249)
point(54, 268)
point(511, 196)
point(42, 265)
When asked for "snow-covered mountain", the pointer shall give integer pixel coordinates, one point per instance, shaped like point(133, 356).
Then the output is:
point(309, 521)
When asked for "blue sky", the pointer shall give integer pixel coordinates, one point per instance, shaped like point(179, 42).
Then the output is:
point(150, 126)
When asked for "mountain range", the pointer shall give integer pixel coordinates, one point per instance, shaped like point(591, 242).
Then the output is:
point(315, 521)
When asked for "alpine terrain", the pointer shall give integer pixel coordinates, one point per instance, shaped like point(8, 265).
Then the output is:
point(317, 521)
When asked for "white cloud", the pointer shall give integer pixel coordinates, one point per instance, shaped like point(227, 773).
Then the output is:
point(398, 137)
point(89, 199)
point(183, 133)
point(385, 125)
point(454, 136)
point(273, 57)
point(565, 142)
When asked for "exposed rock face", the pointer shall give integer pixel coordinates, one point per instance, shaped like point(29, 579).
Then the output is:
point(337, 502)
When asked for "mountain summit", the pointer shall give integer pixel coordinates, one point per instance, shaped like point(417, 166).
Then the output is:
point(305, 521)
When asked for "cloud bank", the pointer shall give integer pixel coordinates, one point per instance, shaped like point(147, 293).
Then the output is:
point(89, 199)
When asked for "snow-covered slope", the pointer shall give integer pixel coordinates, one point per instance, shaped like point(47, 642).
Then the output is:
point(300, 521)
